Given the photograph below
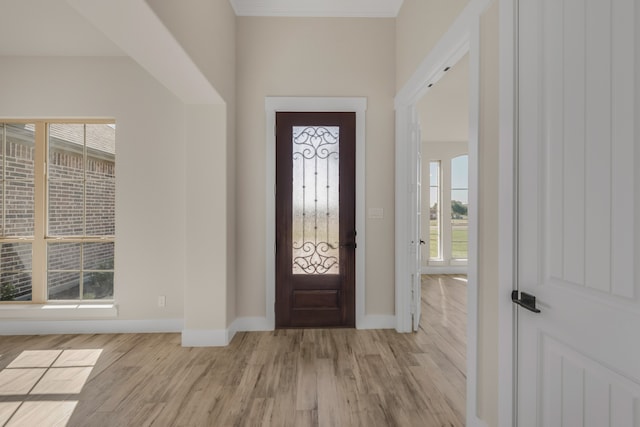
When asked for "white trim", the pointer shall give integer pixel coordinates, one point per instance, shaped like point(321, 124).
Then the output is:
point(57, 311)
point(462, 37)
point(444, 269)
point(357, 105)
point(506, 231)
point(378, 321)
point(318, 8)
point(206, 337)
point(47, 327)
point(251, 324)
point(473, 321)
point(476, 422)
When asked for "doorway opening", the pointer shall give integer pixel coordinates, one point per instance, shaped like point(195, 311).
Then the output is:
point(461, 39)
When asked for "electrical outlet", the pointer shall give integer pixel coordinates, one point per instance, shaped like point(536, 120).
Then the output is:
point(162, 301)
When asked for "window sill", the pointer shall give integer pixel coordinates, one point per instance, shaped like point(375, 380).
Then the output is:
point(58, 311)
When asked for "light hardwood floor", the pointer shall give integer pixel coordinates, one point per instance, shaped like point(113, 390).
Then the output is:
point(337, 377)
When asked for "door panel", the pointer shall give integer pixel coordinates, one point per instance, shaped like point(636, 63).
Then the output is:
point(578, 198)
point(315, 225)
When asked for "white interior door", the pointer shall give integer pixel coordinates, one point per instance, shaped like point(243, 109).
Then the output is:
point(417, 229)
point(578, 213)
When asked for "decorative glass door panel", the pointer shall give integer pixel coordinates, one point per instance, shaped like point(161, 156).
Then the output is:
point(315, 200)
point(315, 219)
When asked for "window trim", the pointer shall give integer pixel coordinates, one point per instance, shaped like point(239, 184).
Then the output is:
point(40, 239)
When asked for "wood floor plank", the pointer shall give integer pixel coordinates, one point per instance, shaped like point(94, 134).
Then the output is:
point(301, 377)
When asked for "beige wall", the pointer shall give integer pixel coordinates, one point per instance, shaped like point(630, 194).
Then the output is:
point(420, 24)
point(488, 219)
point(150, 178)
point(207, 32)
point(315, 57)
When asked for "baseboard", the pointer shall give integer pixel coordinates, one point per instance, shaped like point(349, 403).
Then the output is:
point(377, 321)
point(40, 327)
point(206, 337)
point(247, 324)
point(476, 422)
point(449, 269)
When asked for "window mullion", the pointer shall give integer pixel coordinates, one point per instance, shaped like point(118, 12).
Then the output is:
point(39, 273)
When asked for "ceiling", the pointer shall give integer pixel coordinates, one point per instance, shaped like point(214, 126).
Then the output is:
point(49, 28)
point(54, 28)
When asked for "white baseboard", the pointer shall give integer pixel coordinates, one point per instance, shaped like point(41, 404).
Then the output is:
point(377, 321)
point(449, 269)
point(41, 327)
point(247, 324)
point(476, 422)
point(205, 337)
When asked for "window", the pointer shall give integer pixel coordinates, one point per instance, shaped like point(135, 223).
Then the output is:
point(57, 210)
point(459, 207)
point(435, 236)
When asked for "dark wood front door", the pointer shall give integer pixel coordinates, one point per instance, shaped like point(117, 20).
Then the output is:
point(315, 219)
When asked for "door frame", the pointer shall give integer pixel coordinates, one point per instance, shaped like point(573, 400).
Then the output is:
point(462, 37)
point(507, 196)
point(274, 104)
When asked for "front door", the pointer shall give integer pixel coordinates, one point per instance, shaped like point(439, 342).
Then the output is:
point(579, 213)
point(315, 219)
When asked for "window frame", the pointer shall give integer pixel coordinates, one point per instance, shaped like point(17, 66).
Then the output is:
point(438, 188)
point(452, 189)
point(40, 238)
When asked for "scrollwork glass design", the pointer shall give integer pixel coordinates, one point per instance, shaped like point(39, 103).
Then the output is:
point(315, 200)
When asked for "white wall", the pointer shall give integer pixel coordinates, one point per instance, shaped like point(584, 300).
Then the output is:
point(150, 164)
point(315, 57)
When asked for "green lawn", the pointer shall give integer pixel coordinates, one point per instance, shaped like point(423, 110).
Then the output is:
point(459, 238)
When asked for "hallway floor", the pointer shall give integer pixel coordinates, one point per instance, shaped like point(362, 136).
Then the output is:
point(304, 377)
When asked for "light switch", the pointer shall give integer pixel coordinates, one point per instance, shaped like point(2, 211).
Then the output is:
point(376, 213)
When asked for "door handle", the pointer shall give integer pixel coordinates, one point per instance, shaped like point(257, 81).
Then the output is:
point(352, 245)
point(422, 242)
point(526, 300)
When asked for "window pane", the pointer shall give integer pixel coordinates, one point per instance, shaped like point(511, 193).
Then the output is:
point(98, 256)
point(101, 207)
point(66, 208)
point(101, 142)
point(64, 285)
point(98, 285)
point(19, 208)
point(63, 256)
point(101, 185)
point(315, 200)
point(18, 179)
point(15, 271)
point(459, 207)
point(434, 210)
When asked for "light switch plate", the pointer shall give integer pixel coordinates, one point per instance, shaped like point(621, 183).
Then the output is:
point(376, 213)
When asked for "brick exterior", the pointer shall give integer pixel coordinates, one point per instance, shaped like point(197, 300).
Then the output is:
point(66, 191)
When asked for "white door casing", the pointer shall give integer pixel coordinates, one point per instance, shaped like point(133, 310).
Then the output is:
point(578, 196)
point(416, 274)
